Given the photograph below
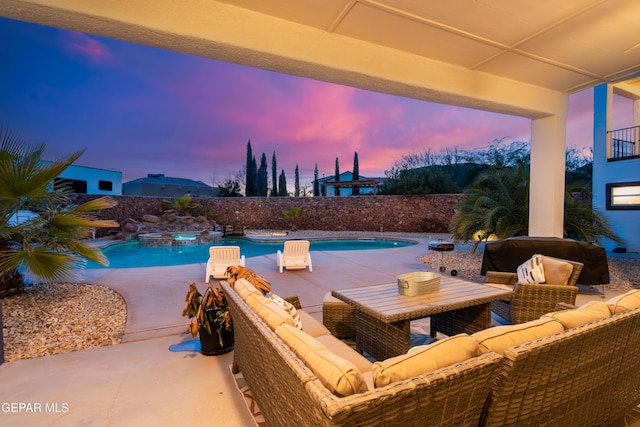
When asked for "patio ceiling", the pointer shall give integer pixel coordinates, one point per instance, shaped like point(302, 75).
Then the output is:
point(564, 45)
point(517, 57)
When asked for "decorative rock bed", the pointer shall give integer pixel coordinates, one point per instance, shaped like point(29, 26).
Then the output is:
point(181, 238)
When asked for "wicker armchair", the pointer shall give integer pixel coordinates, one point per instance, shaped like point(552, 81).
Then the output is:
point(530, 301)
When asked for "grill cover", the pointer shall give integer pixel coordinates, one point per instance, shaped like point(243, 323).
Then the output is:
point(507, 254)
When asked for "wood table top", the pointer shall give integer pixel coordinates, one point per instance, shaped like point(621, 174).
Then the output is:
point(385, 302)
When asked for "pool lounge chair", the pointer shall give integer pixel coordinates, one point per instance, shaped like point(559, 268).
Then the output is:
point(294, 256)
point(221, 257)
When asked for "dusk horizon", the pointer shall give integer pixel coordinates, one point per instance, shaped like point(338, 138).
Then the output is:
point(143, 110)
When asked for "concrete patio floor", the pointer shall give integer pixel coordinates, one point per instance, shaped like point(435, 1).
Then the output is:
point(141, 382)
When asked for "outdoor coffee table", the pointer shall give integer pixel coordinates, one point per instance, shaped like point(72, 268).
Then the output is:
point(383, 315)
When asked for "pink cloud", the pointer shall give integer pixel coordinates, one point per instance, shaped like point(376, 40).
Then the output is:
point(86, 45)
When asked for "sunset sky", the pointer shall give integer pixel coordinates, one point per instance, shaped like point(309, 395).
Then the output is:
point(141, 110)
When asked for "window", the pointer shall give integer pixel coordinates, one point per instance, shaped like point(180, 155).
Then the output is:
point(105, 185)
point(623, 196)
point(75, 185)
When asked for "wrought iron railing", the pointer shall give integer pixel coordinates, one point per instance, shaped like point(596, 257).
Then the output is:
point(623, 142)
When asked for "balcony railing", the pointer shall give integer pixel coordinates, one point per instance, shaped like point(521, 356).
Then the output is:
point(624, 142)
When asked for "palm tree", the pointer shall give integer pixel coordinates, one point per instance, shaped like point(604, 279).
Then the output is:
point(294, 214)
point(181, 204)
point(497, 205)
point(49, 246)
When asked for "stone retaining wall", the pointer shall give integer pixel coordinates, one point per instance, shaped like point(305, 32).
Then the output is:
point(427, 213)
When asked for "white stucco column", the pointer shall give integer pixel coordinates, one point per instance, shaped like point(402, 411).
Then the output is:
point(602, 113)
point(546, 192)
point(636, 122)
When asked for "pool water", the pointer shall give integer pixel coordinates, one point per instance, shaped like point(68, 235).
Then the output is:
point(133, 255)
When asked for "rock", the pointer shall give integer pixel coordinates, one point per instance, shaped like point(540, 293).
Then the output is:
point(151, 218)
point(130, 226)
point(169, 216)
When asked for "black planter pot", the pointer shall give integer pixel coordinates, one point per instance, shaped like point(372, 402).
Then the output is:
point(210, 342)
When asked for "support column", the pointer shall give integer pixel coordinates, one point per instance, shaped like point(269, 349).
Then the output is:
point(636, 122)
point(548, 163)
point(602, 113)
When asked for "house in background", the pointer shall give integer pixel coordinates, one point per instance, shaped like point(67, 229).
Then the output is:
point(346, 185)
point(158, 185)
point(616, 162)
point(89, 180)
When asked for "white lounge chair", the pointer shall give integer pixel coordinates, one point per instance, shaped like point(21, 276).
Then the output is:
point(221, 257)
point(295, 256)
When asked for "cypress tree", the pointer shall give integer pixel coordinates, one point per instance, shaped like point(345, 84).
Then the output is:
point(356, 174)
point(249, 183)
point(261, 189)
point(297, 183)
point(283, 185)
point(274, 176)
point(336, 190)
point(254, 176)
point(316, 183)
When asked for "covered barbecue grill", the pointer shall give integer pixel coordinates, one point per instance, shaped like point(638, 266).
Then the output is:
point(442, 247)
point(507, 254)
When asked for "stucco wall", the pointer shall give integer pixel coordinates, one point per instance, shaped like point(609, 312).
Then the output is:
point(428, 213)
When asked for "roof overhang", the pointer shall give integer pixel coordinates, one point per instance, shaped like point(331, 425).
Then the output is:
point(514, 57)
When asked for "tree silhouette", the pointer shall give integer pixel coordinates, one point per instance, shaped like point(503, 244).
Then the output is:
point(337, 178)
point(297, 182)
point(356, 174)
point(261, 187)
point(282, 191)
point(250, 179)
point(274, 175)
point(316, 183)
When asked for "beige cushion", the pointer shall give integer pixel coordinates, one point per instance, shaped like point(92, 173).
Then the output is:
point(289, 308)
point(339, 348)
point(589, 312)
point(339, 375)
point(270, 312)
point(311, 325)
point(531, 271)
point(624, 302)
point(423, 359)
point(556, 272)
point(243, 287)
point(499, 338)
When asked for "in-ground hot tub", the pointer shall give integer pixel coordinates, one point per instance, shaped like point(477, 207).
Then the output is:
point(178, 238)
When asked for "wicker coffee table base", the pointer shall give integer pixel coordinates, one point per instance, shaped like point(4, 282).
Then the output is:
point(467, 320)
point(381, 340)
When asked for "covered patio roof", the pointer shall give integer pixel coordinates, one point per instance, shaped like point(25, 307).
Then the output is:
point(477, 54)
point(515, 57)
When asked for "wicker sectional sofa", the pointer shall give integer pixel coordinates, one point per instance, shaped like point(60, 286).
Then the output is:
point(571, 368)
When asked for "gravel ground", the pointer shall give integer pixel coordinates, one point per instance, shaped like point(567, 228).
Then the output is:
point(52, 319)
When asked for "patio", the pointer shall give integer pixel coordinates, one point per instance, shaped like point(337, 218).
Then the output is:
point(140, 382)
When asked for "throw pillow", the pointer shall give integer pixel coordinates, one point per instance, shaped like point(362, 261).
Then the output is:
point(556, 271)
point(427, 358)
point(338, 375)
point(271, 313)
point(289, 308)
point(531, 271)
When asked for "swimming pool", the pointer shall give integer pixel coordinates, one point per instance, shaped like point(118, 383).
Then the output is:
point(133, 255)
